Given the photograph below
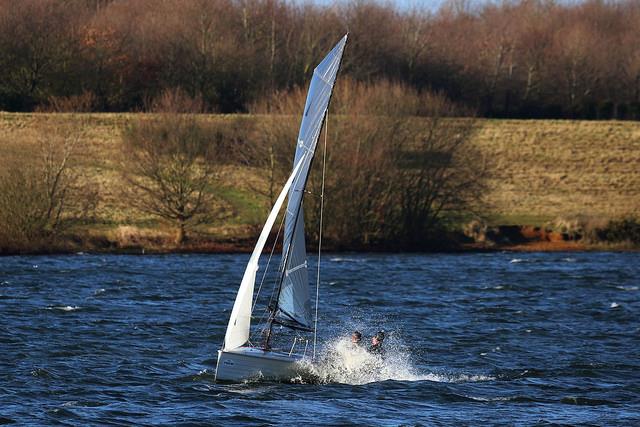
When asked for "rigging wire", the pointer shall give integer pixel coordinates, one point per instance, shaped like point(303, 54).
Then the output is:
point(324, 168)
point(264, 274)
point(266, 268)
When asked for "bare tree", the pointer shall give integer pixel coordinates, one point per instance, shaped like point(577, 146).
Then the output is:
point(24, 206)
point(395, 165)
point(57, 174)
point(392, 179)
point(438, 175)
point(35, 196)
point(170, 164)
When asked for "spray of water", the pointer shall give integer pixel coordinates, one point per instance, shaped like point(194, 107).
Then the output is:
point(344, 362)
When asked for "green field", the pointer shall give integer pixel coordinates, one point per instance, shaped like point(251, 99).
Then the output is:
point(541, 170)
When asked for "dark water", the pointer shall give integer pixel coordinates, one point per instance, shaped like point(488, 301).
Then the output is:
point(485, 339)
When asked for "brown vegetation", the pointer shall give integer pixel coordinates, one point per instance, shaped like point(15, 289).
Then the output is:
point(522, 58)
point(170, 163)
point(545, 174)
point(561, 234)
point(388, 182)
point(41, 189)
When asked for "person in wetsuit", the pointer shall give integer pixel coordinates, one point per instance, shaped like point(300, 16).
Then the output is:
point(376, 344)
point(356, 338)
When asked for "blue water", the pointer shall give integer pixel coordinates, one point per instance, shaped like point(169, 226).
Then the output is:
point(484, 339)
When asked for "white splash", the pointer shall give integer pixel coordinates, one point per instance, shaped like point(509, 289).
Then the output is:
point(490, 399)
point(64, 308)
point(614, 305)
point(346, 259)
point(516, 261)
point(346, 363)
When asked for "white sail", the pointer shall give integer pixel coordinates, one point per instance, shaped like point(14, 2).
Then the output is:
point(294, 303)
point(240, 321)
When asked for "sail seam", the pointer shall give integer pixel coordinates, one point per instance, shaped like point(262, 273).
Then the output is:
point(315, 73)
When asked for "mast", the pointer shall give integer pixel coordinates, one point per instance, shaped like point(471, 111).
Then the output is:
point(324, 170)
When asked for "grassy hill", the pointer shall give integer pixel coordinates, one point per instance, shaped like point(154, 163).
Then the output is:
point(549, 168)
point(542, 170)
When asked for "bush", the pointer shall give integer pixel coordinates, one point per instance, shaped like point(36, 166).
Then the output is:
point(622, 230)
point(37, 194)
point(389, 180)
point(23, 217)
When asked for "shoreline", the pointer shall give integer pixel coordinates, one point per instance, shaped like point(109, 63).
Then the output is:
point(221, 247)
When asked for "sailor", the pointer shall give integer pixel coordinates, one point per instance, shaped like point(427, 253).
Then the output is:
point(356, 339)
point(376, 344)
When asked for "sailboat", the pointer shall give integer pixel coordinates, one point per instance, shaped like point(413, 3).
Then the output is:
point(291, 309)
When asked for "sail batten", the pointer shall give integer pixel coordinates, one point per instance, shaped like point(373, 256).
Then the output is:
point(294, 302)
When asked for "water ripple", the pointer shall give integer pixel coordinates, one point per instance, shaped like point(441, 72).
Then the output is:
point(473, 339)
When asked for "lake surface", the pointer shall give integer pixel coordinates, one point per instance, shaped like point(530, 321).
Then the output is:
point(473, 339)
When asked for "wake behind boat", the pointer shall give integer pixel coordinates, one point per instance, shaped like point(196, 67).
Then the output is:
point(291, 309)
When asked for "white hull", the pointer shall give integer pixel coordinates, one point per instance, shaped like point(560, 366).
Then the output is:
point(247, 363)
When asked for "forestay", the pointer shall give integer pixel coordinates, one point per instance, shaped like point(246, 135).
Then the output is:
point(294, 303)
point(240, 321)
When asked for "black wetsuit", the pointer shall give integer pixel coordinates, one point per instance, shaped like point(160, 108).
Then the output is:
point(377, 349)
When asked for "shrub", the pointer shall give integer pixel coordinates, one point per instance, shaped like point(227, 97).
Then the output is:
point(621, 230)
point(388, 178)
point(36, 195)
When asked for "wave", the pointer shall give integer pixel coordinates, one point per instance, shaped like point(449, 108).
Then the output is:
point(64, 308)
point(517, 399)
point(345, 363)
point(202, 375)
point(41, 373)
point(343, 259)
point(579, 400)
point(536, 261)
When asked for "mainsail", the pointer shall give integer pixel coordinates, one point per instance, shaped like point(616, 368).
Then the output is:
point(294, 302)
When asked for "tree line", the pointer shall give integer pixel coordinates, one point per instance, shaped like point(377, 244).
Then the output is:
point(520, 58)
